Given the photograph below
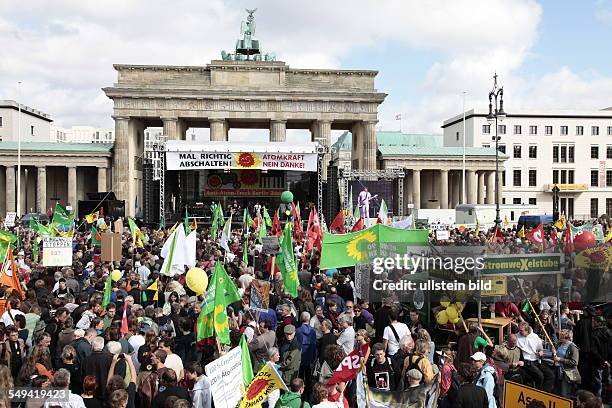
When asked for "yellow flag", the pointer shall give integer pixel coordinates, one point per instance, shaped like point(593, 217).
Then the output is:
point(506, 222)
point(154, 287)
point(608, 236)
point(477, 228)
point(262, 385)
point(91, 218)
point(560, 223)
point(521, 233)
point(171, 230)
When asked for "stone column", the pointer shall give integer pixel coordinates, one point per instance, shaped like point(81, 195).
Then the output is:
point(121, 159)
point(481, 187)
point(324, 135)
point(490, 187)
point(500, 185)
point(471, 186)
point(72, 186)
point(443, 188)
point(278, 130)
point(171, 128)
point(369, 145)
point(10, 189)
point(357, 146)
point(416, 188)
point(102, 179)
point(41, 190)
point(455, 186)
point(218, 130)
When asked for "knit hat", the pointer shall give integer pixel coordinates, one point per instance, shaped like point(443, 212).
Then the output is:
point(289, 329)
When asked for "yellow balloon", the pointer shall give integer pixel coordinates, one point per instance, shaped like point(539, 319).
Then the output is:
point(197, 280)
point(451, 312)
point(116, 275)
point(444, 301)
point(442, 318)
point(454, 321)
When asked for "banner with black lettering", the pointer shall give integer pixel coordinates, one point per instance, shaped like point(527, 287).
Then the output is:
point(349, 366)
point(176, 160)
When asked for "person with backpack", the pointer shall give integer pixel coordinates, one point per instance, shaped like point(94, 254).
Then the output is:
point(419, 361)
point(486, 377)
point(469, 395)
point(379, 370)
point(393, 333)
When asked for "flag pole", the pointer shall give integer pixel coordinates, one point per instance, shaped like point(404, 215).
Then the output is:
point(463, 183)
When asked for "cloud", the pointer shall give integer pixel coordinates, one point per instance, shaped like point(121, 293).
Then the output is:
point(63, 50)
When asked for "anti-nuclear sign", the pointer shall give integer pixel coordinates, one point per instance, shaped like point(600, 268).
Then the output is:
point(519, 396)
point(57, 251)
point(241, 160)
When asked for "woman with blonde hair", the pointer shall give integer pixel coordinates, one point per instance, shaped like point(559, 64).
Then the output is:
point(6, 379)
point(567, 357)
point(70, 363)
point(363, 341)
point(419, 361)
point(424, 335)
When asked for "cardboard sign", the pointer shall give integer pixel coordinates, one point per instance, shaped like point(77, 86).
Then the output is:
point(9, 220)
point(57, 251)
point(110, 247)
point(260, 295)
point(225, 375)
point(118, 226)
point(442, 235)
point(499, 285)
point(271, 246)
point(518, 396)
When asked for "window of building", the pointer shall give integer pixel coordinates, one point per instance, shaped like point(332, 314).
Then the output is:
point(563, 175)
point(457, 135)
point(533, 130)
point(517, 151)
point(533, 152)
point(595, 130)
point(532, 178)
point(532, 201)
point(503, 200)
point(501, 129)
point(555, 176)
point(501, 148)
point(32, 130)
point(563, 130)
point(563, 154)
point(516, 178)
point(548, 130)
point(594, 152)
point(486, 129)
point(0, 121)
point(570, 176)
point(594, 208)
point(503, 176)
point(608, 178)
point(570, 153)
point(579, 130)
point(609, 129)
point(556, 154)
point(517, 129)
point(594, 178)
point(486, 145)
point(609, 206)
point(516, 200)
point(608, 152)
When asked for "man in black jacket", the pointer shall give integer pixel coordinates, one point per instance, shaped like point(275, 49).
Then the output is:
point(470, 395)
point(600, 340)
point(582, 339)
point(98, 365)
point(169, 381)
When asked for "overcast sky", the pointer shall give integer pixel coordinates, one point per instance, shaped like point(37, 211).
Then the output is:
point(549, 54)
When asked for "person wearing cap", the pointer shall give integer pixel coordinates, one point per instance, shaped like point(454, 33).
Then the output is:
point(291, 354)
point(486, 376)
point(415, 391)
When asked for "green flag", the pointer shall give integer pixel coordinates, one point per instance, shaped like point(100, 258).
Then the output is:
point(204, 327)
point(186, 223)
point(35, 249)
point(285, 261)
point(220, 321)
point(95, 236)
point(136, 234)
point(247, 367)
point(262, 231)
point(107, 291)
point(342, 250)
point(219, 277)
point(245, 253)
point(267, 218)
point(6, 240)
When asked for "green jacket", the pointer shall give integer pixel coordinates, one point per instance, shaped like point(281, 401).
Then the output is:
point(291, 400)
point(291, 356)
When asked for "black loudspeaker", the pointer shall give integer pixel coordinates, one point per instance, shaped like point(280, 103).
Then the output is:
point(150, 191)
point(331, 194)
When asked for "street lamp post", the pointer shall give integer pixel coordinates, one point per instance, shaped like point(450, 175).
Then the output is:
point(496, 114)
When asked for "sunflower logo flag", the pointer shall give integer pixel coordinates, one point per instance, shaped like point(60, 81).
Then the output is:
point(264, 383)
point(285, 261)
point(343, 250)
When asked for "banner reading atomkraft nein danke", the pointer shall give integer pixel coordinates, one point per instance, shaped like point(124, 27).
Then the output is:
point(241, 160)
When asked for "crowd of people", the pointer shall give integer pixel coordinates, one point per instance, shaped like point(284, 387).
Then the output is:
point(60, 336)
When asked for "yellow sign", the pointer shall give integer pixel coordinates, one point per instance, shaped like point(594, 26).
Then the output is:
point(570, 187)
point(499, 285)
point(518, 396)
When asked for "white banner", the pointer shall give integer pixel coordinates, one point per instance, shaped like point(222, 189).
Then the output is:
point(225, 375)
point(57, 251)
point(9, 220)
point(442, 235)
point(241, 160)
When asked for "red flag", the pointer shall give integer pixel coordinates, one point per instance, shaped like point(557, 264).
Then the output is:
point(313, 231)
point(124, 323)
point(337, 227)
point(298, 232)
point(497, 237)
point(553, 237)
point(568, 245)
point(349, 366)
point(276, 226)
point(536, 235)
point(358, 225)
